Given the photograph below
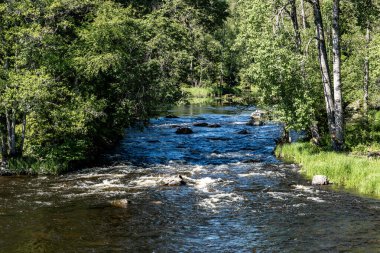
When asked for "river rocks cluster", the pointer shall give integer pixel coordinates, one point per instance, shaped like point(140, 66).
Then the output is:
point(257, 118)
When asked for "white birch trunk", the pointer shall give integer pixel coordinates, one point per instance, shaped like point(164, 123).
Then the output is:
point(338, 112)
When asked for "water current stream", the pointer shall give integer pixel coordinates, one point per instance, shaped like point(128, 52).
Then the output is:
point(238, 197)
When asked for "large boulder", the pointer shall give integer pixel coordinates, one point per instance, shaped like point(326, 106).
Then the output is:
point(172, 181)
point(320, 180)
point(184, 130)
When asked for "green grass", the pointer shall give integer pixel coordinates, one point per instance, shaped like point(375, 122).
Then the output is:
point(198, 92)
point(218, 95)
point(359, 173)
point(30, 166)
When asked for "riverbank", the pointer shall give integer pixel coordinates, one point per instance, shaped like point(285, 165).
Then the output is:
point(219, 95)
point(352, 172)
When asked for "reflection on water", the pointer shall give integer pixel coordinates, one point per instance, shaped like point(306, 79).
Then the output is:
point(238, 198)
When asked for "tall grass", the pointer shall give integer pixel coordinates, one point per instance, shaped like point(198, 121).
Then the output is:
point(359, 173)
point(30, 166)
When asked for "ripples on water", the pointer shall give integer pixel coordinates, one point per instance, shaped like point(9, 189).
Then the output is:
point(239, 198)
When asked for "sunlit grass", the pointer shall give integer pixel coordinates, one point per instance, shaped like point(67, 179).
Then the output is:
point(359, 173)
point(198, 92)
point(30, 166)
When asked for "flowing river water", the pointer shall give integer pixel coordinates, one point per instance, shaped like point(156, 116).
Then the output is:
point(238, 197)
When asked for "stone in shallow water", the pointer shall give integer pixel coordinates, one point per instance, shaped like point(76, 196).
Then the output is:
point(214, 126)
point(184, 130)
point(245, 131)
point(200, 124)
point(253, 122)
point(173, 181)
point(120, 203)
point(171, 116)
point(320, 180)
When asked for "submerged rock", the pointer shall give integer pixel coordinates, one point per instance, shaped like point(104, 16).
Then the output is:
point(171, 116)
point(200, 124)
point(218, 138)
point(172, 181)
point(320, 180)
point(214, 126)
point(184, 130)
point(245, 131)
point(251, 161)
point(120, 203)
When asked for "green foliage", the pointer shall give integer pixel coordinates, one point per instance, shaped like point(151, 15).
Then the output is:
point(359, 173)
point(74, 73)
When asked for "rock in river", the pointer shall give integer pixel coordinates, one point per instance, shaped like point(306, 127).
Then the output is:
point(172, 181)
point(120, 203)
point(171, 116)
point(320, 180)
point(184, 130)
point(245, 131)
point(214, 126)
point(254, 122)
point(200, 124)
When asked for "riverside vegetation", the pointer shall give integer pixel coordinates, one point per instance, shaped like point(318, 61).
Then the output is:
point(75, 73)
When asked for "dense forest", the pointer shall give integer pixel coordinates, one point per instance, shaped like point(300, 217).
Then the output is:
point(75, 73)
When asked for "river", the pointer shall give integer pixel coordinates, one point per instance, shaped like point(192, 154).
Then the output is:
point(238, 197)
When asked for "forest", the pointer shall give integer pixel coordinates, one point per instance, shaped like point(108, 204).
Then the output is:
point(75, 73)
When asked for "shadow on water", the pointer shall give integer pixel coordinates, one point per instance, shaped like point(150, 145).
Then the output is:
point(238, 197)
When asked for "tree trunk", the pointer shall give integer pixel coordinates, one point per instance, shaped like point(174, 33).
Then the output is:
point(23, 134)
point(338, 144)
point(324, 67)
point(4, 149)
point(304, 23)
point(293, 16)
point(315, 136)
point(11, 129)
point(366, 70)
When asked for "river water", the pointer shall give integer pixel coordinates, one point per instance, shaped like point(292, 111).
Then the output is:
point(238, 197)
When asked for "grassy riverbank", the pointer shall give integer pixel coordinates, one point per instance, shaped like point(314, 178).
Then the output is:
point(219, 95)
point(352, 172)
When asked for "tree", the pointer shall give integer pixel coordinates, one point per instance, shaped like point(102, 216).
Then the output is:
point(338, 143)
